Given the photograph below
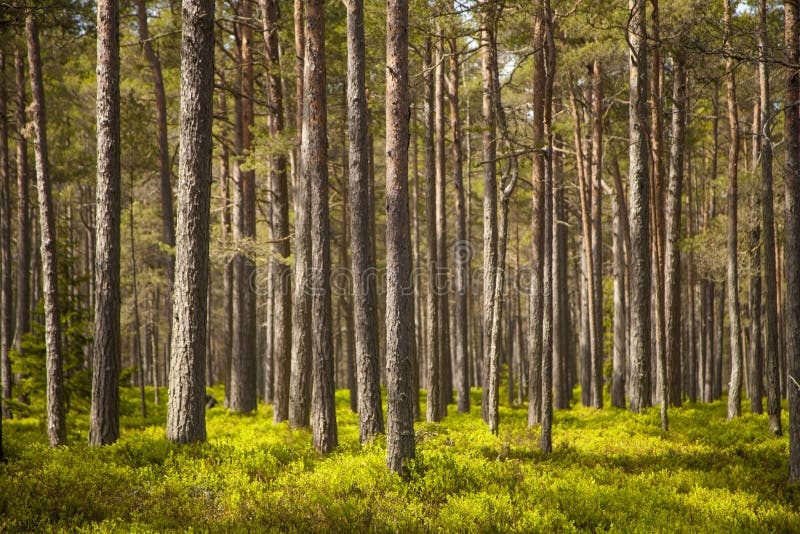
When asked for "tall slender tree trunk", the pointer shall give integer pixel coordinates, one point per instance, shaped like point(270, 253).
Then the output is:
point(299, 381)
point(23, 308)
point(434, 411)
point(639, 205)
point(735, 386)
point(363, 263)
point(6, 294)
point(280, 271)
point(399, 299)
point(620, 320)
point(314, 154)
point(672, 253)
point(104, 417)
point(755, 368)
point(537, 222)
point(768, 239)
point(136, 356)
point(463, 250)
point(597, 234)
point(164, 162)
point(56, 417)
point(187, 388)
point(489, 147)
point(792, 250)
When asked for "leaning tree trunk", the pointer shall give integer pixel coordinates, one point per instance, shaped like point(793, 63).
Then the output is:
point(735, 386)
point(672, 254)
point(399, 299)
point(792, 250)
point(186, 406)
point(639, 204)
point(279, 229)
point(314, 153)
point(768, 243)
point(56, 423)
point(104, 417)
point(363, 263)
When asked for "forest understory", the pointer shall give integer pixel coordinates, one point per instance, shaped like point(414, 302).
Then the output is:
point(610, 470)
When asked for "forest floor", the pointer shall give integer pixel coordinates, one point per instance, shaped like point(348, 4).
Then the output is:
point(610, 471)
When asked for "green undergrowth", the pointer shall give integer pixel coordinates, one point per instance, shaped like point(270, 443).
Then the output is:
point(610, 470)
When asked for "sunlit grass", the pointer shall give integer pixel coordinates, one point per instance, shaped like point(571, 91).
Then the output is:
point(610, 471)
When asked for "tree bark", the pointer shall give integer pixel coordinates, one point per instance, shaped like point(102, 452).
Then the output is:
point(164, 162)
point(735, 386)
point(6, 294)
point(639, 205)
point(768, 239)
point(363, 263)
point(104, 417)
point(23, 308)
point(280, 271)
point(399, 299)
point(56, 417)
point(462, 250)
point(597, 235)
point(792, 250)
point(314, 154)
point(489, 147)
point(186, 406)
point(672, 253)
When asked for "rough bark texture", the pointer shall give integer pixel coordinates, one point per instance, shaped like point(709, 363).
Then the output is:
point(619, 322)
point(399, 296)
point(792, 250)
point(463, 249)
point(365, 304)
point(187, 388)
point(489, 146)
point(768, 243)
point(299, 382)
point(735, 386)
point(672, 254)
point(164, 161)
point(280, 270)
point(597, 234)
point(537, 224)
point(104, 417)
point(314, 149)
point(434, 412)
point(639, 204)
point(56, 419)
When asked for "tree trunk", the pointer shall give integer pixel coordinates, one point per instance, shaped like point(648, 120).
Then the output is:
point(164, 162)
point(462, 250)
point(280, 271)
point(434, 412)
point(792, 250)
point(6, 296)
point(314, 154)
point(768, 243)
point(299, 381)
point(620, 321)
point(672, 253)
point(56, 417)
point(104, 418)
point(136, 356)
point(735, 386)
point(639, 204)
point(23, 308)
point(489, 147)
point(399, 300)
point(363, 263)
point(187, 388)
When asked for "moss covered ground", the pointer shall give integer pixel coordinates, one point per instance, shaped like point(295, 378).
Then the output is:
point(611, 471)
